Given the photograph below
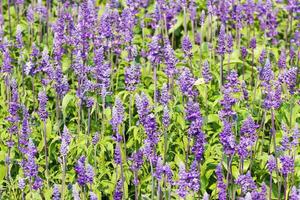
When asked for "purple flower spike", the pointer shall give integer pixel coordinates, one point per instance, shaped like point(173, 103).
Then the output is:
point(220, 183)
point(206, 74)
point(187, 46)
point(221, 50)
point(42, 97)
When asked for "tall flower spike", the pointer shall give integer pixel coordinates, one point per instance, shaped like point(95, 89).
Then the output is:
point(187, 46)
point(19, 38)
point(65, 142)
point(182, 184)
point(132, 77)
point(42, 97)
point(288, 165)
point(118, 194)
point(282, 59)
point(206, 74)
point(93, 196)
point(155, 50)
point(220, 183)
point(246, 182)
point(229, 43)
point(271, 165)
point(221, 49)
point(117, 114)
point(56, 193)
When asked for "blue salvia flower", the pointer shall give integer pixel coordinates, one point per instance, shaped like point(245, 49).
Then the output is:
point(206, 74)
point(294, 194)
point(117, 115)
point(21, 183)
point(132, 77)
point(42, 111)
point(282, 59)
point(56, 193)
point(19, 38)
point(93, 196)
point(65, 142)
point(187, 46)
point(221, 49)
point(186, 83)
point(118, 194)
point(155, 50)
point(182, 183)
point(220, 183)
point(288, 165)
point(246, 182)
point(170, 59)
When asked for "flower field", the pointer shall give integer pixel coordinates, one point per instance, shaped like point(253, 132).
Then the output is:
point(146, 99)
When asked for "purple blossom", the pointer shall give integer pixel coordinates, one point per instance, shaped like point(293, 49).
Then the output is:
point(21, 183)
point(282, 60)
point(290, 78)
point(187, 46)
point(93, 196)
point(246, 182)
point(206, 74)
point(232, 81)
point(155, 50)
point(271, 165)
point(61, 82)
point(273, 96)
point(229, 43)
point(28, 163)
point(192, 111)
point(118, 194)
point(295, 194)
point(227, 103)
point(223, 10)
point(170, 59)
point(248, 129)
point(182, 184)
point(132, 77)
point(137, 162)
point(85, 173)
point(25, 131)
point(221, 49)
point(266, 73)
point(227, 138)
point(6, 64)
point(165, 96)
point(198, 147)
point(19, 38)
point(260, 195)
point(186, 82)
point(42, 97)
point(244, 52)
point(96, 138)
point(38, 183)
point(117, 115)
point(166, 117)
point(288, 165)
point(295, 136)
point(220, 183)
point(249, 9)
point(193, 177)
point(252, 44)
point(65, 142)
point(89, 174)
point(30, 14)
point(117, 155)
point(56, 193)
point(262, 56)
